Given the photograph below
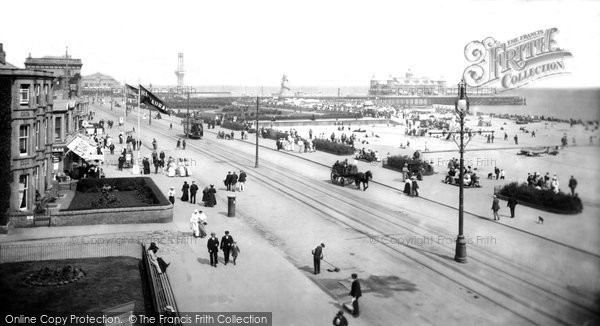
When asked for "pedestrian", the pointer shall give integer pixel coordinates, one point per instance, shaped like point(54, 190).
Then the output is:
point(171, 126)
point(183, 144)
point(516, 140)
point(193, 191)
point(159, 263)
point(317, 256)
point(496, 208)
point(213, 249)
point(194, 220)
point(512, 203)
point(212, 198)
point(497, 172)
point(242, 180)
point(407, 186)
point(415, 187)
point(339, 319)
point(178, 143)
point(234, 180)
point(235, 251)
point(502, 174)
point(492, 138)
point(405, 171)
point(572, 185)
point(185, 189)
point(112, 148)
point(121, 162)
point(226, 242)
point(227, 181)
point(205, 195)
point(355, 293)
point(505, 136)
point(156, 165)
point(154, 143)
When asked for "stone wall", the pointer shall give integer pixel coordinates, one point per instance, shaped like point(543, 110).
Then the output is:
point(130, 215)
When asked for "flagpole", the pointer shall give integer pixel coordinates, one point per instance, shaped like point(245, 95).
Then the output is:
point(125, 98)
point(136, 167)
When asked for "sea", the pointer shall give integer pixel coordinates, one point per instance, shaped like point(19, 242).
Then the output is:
point(562, 103)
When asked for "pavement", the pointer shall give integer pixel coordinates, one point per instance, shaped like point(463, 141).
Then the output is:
point(271, 274)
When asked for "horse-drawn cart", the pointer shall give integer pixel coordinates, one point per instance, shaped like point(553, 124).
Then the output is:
point(345, 174)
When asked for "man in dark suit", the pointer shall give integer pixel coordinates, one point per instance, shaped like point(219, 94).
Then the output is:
point(226, 243)
point(234, 180)
point(193, 191)
point(228, 181)
point(317, 256)
point(355, 293)
point(213, 249)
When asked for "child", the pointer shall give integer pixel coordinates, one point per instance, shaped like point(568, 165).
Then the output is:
point(502, 174)
point(235, 250)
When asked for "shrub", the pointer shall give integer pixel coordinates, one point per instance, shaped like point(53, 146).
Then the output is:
point(233, 125)
point(543, 199)
point(333, 148)
point(397, 162)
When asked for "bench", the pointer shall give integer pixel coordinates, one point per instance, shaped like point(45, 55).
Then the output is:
point(160, 289)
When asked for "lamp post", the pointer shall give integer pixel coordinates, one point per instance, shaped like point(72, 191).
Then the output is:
point(256, 161)
point(462, 108)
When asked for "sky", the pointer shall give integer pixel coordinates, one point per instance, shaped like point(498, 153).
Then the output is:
point(320, 43)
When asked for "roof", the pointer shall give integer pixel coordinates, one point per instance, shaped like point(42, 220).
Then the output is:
point(97, 76)
point(7, 65)
point(53, 61)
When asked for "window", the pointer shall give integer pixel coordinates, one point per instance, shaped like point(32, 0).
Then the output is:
point(57, 128)
point(23, 187)
point(23, 139)
point(38, 97)
point(46, 94)
point(37, 136)
point(24, 94)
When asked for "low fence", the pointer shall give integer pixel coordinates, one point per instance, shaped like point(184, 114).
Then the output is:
point(160, 291)
point(21, 252)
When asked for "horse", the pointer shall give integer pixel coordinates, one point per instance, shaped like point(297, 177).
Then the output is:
point(364, 178)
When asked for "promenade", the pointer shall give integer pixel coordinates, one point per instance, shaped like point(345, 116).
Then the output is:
point(276, 232)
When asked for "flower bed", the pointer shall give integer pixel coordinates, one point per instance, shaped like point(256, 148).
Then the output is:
point(116, 192)
point(234, 125)
point(53, 277)
point(542, 199)
point(333, 148)
point(397, 163)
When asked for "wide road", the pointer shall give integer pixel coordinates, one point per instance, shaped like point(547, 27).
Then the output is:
point(402, 248)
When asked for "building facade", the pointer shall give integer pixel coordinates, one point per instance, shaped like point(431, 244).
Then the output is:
point(407, 85)
point(39, 127)
point(66, 70)
point(99, 84)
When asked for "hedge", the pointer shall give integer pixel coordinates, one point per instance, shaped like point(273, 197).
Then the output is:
point(543, 199)
point(397, 162)
point(333, 148)
point(233, 125)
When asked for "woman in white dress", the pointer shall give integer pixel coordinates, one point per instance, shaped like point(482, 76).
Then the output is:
point(171, 167)
point(194, 220)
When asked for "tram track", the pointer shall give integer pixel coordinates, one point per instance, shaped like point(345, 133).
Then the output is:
point(331, 202)
point(430, 260)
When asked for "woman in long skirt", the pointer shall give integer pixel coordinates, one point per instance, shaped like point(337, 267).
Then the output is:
point(212, 199)
point(194, 224)
point(185, 189)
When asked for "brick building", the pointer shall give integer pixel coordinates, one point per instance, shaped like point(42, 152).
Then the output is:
point(67, 73)
point(37, 127)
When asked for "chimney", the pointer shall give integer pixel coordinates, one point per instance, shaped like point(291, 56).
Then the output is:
point(2, 55)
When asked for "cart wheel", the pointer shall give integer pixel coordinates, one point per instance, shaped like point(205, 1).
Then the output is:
point(342, 181)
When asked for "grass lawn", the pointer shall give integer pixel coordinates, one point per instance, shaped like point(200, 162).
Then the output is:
point(108, 282)
point(82, 200)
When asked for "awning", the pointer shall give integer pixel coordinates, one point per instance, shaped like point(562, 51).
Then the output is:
point(84, 148)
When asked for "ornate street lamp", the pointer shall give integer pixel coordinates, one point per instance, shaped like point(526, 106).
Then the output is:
point(462, 108)
point(256, 158)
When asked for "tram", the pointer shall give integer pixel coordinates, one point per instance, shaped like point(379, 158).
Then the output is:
point(196, 127)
